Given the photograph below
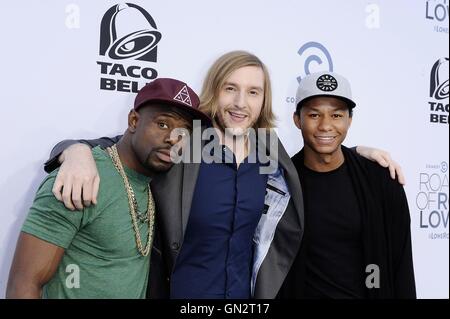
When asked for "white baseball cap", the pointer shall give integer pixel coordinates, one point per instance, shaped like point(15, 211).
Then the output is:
point(324, 84)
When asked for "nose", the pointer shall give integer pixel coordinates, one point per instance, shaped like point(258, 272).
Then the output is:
point(325, 123)
point(171, 139)
point(240, 100)
point(175, 136)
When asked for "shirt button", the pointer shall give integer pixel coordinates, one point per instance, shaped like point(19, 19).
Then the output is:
point(175, 246)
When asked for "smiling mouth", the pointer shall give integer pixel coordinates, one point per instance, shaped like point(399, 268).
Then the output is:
point(238, 117)
point(325, 139)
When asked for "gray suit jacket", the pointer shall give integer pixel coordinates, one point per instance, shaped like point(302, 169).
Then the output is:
point(173, 192)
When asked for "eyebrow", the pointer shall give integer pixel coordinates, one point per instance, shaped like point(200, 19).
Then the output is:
point(252, 87)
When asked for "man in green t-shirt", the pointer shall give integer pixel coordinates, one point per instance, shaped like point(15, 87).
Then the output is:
point(104, 252)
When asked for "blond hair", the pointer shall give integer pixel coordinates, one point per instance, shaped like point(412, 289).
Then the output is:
point(221, 70)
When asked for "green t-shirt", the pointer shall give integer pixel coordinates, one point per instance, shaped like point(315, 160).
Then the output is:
point(99, 241)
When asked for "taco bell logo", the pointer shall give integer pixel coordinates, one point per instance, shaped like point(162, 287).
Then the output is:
point(439, 79)
point(439, 91)
point(127, 33)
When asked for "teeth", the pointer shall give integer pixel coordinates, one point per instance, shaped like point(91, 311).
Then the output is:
point(325, 138)
point(238, 115)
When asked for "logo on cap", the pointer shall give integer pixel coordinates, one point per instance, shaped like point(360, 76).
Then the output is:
point(183, 96)
point(326, 83)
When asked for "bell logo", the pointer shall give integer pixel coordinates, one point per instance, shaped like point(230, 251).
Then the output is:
point(128, 41)
point(127, 31)
point(439, 89)
point(439, 92)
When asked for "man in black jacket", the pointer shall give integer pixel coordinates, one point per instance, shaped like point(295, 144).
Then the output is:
point(357, 239)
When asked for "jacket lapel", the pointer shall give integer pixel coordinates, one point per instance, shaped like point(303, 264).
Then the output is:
point(293, 181)
point(290, 173)
point(173, 192)
point(168, 200)
point(288, 235)
point(190, 175)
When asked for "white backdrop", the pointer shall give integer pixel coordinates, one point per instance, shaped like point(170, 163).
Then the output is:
point(51, 87)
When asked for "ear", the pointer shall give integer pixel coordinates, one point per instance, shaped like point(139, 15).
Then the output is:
point(297, 121)
point(133, 119)
point(350, 121)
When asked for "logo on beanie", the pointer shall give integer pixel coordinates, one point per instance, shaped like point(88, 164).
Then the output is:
point(327, 83)
point(183, 96)
point(127, 31)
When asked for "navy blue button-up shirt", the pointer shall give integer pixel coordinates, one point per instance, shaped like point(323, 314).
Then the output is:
point(216, 257)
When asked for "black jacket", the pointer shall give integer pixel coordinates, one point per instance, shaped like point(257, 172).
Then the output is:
point(386, 229)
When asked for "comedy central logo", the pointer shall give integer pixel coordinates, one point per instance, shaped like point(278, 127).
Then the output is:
point(439, 92)
point(128, 33)
point(315, 57)
point(327, 83)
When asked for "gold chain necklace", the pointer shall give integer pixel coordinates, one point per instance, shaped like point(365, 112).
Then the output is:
point(132, 202)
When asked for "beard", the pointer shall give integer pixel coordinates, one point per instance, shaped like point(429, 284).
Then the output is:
point(155, 164)
point(226, 125)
